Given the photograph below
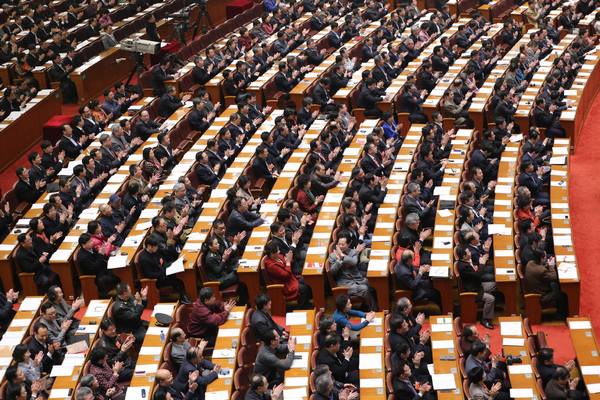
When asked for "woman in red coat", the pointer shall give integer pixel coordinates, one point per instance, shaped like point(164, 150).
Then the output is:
point(526, 211)
point(279, 270)
point(308, 202)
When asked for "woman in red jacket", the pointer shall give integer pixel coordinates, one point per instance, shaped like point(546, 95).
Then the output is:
point(279, 270)
point(527, 212)
point(308, 202)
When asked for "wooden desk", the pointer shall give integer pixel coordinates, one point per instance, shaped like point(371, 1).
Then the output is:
point(9, 244)
point(317, 252)
point(371, 364)
point(21, 130)
point(212, 208)
point(301, 326)
point(514, 343)
point(72, 366)
point(527, 101)
point(151, 352)
point(568, 274)
point(18, 329)
point(352, 47)
point(269, 210)
point(445, 355)
point(442, 258)
point(504, 257)
point(225, 350)
point(581, 96)
point(433, 100)
point(381, 255)
point(495, 9)
point(91, 78)
point(586, 352)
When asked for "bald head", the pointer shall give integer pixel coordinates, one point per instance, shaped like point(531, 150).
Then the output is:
point(163, 377)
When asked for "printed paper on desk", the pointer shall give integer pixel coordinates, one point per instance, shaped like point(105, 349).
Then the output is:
point(303, 339)
point(440, 257)
point(229, 332)
point(504, 189)
point(593, 387)
point(441, 190)
point(295, 318)
point(220, 395)
point(301, 362)
point(378, 265)
point(443, 381)
point(175, 267)
point(442, 344)
point(521, 393)
point(371, 383)
point(441, 327)
point(118, 261)
point(235, 315)
point(563, 240)
point(558, 160)
point(74, 359)
point(223, 353)
point(511, 328)
point(90, 329)
point(151, 350)
point(519, 369)
point(499, 229)
point(590, 369)
point(60, 394)
point(369, 361)
point(504, 253)
point(439, 272)
point(580, 325)
point(371, 342)
point(298, 381)
point(61, 370)
point(442, 243)
point(30, 304)
point(445, 213)
point(291, 394)
point(513, 341)
point(20, 322)
point(146, 368)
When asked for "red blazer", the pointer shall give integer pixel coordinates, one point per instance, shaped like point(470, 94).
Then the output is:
point(304, 201)
point(528, 214)
point(279, 272)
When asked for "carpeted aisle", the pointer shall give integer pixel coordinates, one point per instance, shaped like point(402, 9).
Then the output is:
point(584, 200)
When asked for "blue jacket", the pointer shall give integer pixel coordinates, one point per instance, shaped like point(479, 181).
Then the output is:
point(342, 320)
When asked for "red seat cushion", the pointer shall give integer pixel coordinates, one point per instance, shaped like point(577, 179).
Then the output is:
point(52, 128)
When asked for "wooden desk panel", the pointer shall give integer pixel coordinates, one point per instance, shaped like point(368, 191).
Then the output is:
point(21, 130)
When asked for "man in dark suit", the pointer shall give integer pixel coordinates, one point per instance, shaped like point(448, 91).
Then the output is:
point(338, 78)
point(194, 362)
point(411, 103)
point(313, 55)
point(60, 73)
point(261, 166)
point(25, 189)
point(207, 175)
point(169, 102)
point(198, 118)
point(368, 98)
point(426, 79)
point(51, 351)
point(68, 144)
point(6, 308)
point(418, 282)
point(159, 76)
point(127, 311)
point(284, 81)
point(320, 96)
point(164, 150)
point(201, 73)
point(93, 263)
point(261, 321)
point(165, 389)
point(478, 278)
point(151, 31)
point(379, 73)
point(335, 40)
point(145, 126)
point(439, 62)
point(30, 261)
point(368, 50)
point(338, 360)
point(404, 388)
point(549, 119)
point(241, 219)
point(505, 107)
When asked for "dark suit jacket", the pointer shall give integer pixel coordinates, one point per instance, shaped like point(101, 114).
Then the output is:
point(335, 40)
point(71, 150)
point(281, 82)
point(26, 191)
point(144, 129)
point(206, 175)
point(337, 365)
point(159, 76)
point(181, 381)
point(262, 323)
point(167, 105)
point(320, 95)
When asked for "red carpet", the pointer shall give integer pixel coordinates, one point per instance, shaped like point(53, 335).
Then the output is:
point(584, 198)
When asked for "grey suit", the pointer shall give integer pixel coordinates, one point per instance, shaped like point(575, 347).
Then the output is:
point(271, 366)
point(347, 274)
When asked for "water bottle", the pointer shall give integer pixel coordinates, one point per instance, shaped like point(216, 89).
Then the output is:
point(162, 336)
